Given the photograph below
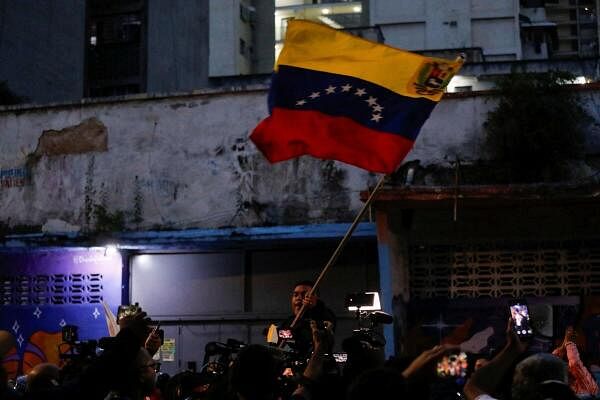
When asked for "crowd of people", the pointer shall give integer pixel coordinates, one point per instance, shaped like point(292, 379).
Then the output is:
point(306, 368)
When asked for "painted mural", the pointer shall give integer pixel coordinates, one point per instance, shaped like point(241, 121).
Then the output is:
point(44, 291)
point(479, 325)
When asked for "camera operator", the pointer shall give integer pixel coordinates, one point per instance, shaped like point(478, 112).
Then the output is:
point(124, 369)
point(315, 310)
point(256, 374)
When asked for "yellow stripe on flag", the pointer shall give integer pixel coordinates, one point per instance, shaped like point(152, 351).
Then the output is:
point(314, 46)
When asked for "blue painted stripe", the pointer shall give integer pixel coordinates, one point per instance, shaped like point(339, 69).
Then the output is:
point(363, 229)
point(387, 295)
point(368, 104)
point(193, 237)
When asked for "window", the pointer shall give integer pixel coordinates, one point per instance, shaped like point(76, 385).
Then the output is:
point(247, 13)
point(463, 89)
point(572, 15)
point(242, 47)
point(574, 45)
point(574, 30)
point(115, 43)
point(538, 39)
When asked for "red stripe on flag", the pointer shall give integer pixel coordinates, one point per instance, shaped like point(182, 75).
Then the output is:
point(290, 133)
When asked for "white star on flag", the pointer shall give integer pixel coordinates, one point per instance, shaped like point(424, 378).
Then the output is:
point(372, 101)
point(37, 312)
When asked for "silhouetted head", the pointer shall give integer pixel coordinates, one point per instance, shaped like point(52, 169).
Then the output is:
point(42, 377)
point(255, 372)
point(533, 371)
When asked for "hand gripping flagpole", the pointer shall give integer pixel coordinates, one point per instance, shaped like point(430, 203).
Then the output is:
point(339, 248)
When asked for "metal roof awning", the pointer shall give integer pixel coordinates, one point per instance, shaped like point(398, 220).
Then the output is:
point(486, 195)
point(187, 239)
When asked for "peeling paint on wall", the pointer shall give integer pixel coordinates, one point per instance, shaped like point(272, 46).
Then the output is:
point(197, 169)
point(90, 135)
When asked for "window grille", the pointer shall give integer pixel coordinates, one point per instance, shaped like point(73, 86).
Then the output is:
point(496, 269)
point(51, 289)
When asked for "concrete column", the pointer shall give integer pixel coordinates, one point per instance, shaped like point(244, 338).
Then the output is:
point(392, 239)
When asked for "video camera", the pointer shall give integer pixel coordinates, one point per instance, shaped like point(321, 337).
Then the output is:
point(76, 349)
point(218, 356)
point(368, 309)
point(365, 347)
point(72, 349)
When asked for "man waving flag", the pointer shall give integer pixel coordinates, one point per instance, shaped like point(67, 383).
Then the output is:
point(337, 96)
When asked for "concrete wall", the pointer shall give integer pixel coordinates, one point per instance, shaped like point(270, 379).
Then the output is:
point(186, 161)
point(442, 24)
point(171, 163)
point(42, 48)
point(177, 45)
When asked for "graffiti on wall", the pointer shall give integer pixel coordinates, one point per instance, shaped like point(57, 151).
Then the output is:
point(14, 177)
point(461, 322)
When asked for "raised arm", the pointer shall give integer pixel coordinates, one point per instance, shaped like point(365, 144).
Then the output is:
point(579, 371)
point(487, 378)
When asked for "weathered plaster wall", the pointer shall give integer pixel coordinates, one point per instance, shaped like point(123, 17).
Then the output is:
point(183, 162)
point(167, 163)
point(455, 128)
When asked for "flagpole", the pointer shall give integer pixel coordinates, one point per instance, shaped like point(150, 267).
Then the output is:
point(339, 248)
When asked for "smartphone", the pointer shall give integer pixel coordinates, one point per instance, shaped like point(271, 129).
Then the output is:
point(340, 358)
point(521, 322)
point(127, 309)
point(453, 365)
point(285, 334)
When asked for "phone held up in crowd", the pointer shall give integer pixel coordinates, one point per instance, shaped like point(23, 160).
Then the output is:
point(521, 321)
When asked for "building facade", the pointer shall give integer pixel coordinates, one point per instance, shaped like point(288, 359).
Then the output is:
point(70, 50)
point(135, 135)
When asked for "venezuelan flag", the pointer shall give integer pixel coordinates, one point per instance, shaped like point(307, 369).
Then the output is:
point(337, 96)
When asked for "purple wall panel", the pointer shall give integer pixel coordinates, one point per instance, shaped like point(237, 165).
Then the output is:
point(40, 291)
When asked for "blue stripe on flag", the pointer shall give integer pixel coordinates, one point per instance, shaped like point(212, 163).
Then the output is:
point(368, 104)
